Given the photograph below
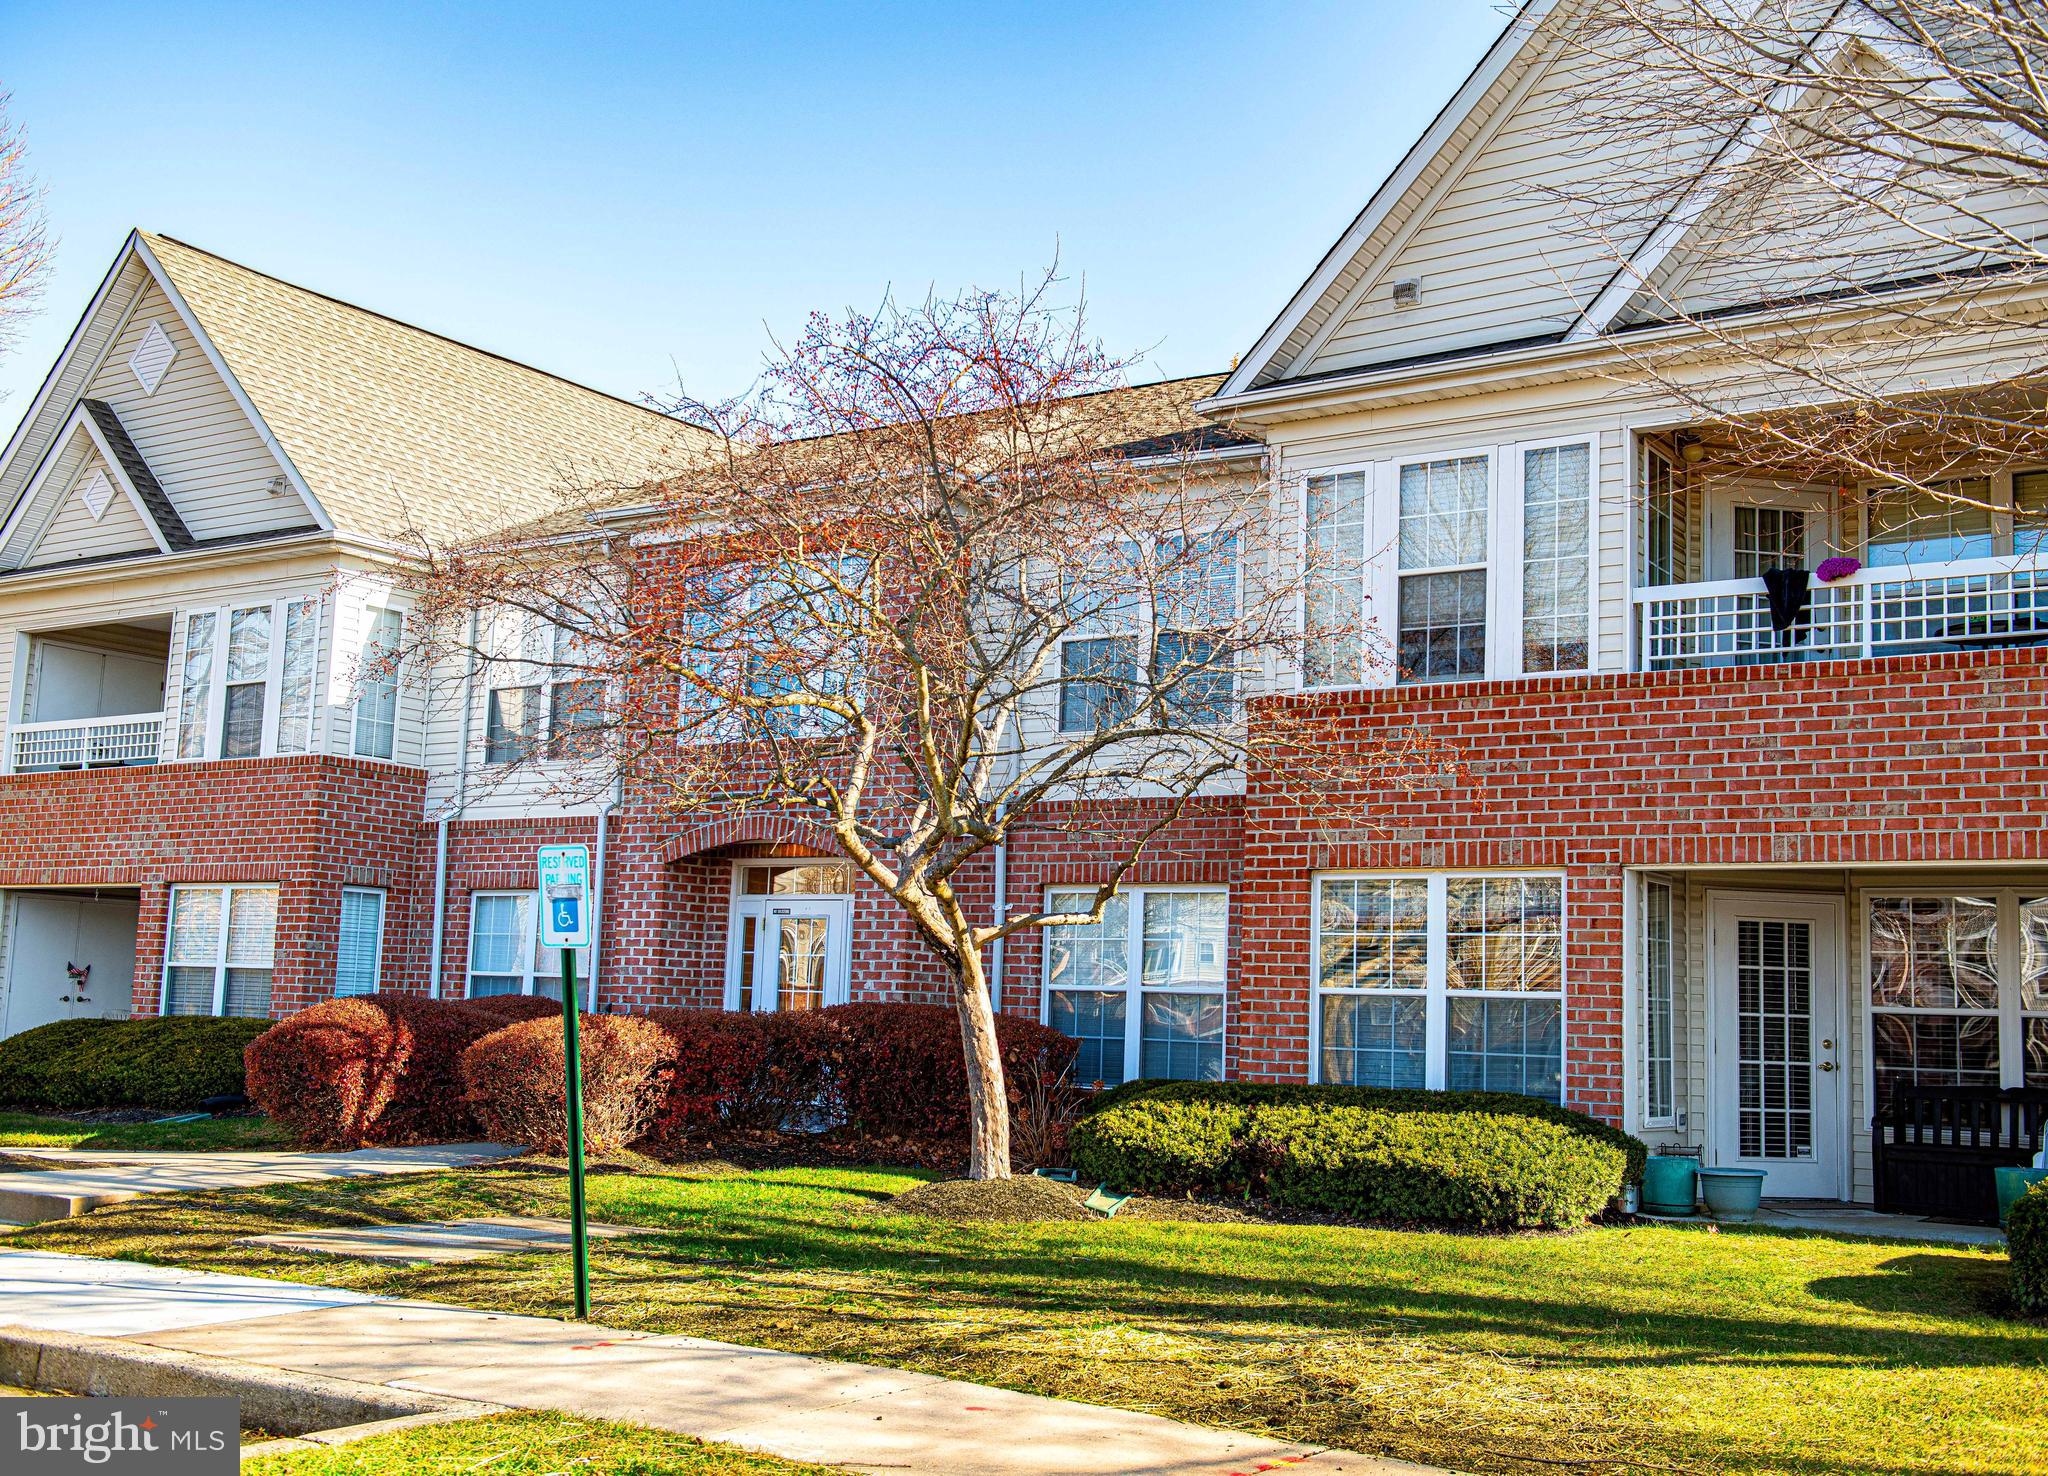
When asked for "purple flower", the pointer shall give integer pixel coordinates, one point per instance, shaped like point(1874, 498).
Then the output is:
point(1838, 567)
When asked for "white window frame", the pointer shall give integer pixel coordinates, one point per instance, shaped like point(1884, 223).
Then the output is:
point(1143, 633)
point(1135, 988)
point(1382, 573)
point(529, 951)
point(220, 964)
point(2012, 1062)
point(1437, 993)
point(377, 950)
point(1649, 1064)
point(371, 612)
point(217, 669)
point(542, 674)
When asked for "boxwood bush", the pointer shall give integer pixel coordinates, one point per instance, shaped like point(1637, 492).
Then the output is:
point(174, 1063)
point(2026, 1236)
point(1481, 1160)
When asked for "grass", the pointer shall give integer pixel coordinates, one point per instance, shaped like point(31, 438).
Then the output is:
point(209, 1134)
point(1614, 1350)
point(530, 1445)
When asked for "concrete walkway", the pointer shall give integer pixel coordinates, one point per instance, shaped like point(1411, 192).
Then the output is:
point(844, 1414)
point(80, 1181)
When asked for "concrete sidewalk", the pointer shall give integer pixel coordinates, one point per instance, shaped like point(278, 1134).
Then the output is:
point(80, 1181)
point(845, 1414)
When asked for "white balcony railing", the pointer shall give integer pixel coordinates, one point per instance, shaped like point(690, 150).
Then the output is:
point(1967, 605)
point(84, 743)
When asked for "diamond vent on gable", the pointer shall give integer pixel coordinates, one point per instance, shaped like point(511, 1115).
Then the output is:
point(97, 493)
point(152, 357)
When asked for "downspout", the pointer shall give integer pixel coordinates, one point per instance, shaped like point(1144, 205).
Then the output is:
point(995, 949)
point(597, 876)
point(453, 809)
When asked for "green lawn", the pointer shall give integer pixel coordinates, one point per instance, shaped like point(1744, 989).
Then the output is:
point(1608, 1351)
point(22, 1130)
point(530, 1445)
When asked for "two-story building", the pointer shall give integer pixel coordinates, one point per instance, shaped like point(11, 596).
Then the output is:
point(1724, 883)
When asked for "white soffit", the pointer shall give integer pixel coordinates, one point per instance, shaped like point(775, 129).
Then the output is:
point(152, 358)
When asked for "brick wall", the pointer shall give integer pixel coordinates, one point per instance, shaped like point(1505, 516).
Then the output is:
point(310, 824)
point(1923, 759)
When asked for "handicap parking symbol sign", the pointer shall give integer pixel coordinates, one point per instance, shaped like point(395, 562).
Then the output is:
point(564, 891)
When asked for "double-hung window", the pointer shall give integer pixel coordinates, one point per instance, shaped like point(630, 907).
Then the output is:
point(246, 679)
point(1142, 989)
point(543, 701)
point(1958, 990)
point(1661, 519)
point(506, 955)
point(1440, 981)
point(359, 946)
point(1442, 558)
point(220, 950)
point(376, 714)
point(1152, 629)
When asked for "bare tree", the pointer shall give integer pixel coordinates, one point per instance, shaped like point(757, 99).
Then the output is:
point(941, 582)
point(24, 232)
point(1826, 223)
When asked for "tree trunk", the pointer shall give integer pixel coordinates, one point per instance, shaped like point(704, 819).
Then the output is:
point(988, 1103)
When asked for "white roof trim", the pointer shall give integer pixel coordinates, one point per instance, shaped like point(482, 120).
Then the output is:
point(1510, 44)
point(81, 418)
point(227, 376)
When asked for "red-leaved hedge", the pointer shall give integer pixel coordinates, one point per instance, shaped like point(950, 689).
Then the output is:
point(899, 1067)
point(514, 1081)
point(368, 1070)
point(509, 1009)
point(740, 1069)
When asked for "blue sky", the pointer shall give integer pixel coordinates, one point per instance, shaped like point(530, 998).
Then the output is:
point(629, 196)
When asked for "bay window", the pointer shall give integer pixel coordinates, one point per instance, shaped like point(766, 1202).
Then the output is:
point(1958, 990)
point(1472, 564)
point(219, 950)
point(1440, 981)
point(1142, 989)
point(376, 712)
point(243, 691)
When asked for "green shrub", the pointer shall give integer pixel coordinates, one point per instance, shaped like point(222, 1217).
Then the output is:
point(2026, 1235)
point(1388, 1099)
point(174, 1063)
point(1478, 1159)
point(1486, 1170)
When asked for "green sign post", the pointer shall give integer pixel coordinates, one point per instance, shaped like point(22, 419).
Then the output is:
point(565, 924)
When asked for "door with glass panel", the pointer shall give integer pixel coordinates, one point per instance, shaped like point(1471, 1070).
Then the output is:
point(788, 945)
point(1778, 1043)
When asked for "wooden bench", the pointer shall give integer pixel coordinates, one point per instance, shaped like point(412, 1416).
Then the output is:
point(1934, 1147)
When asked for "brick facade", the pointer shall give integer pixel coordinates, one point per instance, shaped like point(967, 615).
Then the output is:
point(1926, 759)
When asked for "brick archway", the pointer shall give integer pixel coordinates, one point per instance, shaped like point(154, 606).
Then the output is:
point(776, 830)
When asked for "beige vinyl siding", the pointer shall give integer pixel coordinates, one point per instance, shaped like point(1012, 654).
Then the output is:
point(203, 449)
point(69, 385)
point(1497, 256)
point(72, 533)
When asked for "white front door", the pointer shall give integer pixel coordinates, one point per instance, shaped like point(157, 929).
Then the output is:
point(788, 952)
point(68, 958)
point(1756, 528)
point(1777, 1043)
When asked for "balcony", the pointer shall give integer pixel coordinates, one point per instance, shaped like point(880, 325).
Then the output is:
point(84, 743)
point(1963, 605)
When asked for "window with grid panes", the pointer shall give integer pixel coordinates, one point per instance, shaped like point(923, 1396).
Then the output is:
point(1142, 989)
point(1442, 560)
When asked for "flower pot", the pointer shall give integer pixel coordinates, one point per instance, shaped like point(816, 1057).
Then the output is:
point(2012, 1183)
point(1732, 1194)
point(1671, 1185)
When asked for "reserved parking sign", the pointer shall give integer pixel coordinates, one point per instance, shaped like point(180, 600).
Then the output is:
point(565, 896)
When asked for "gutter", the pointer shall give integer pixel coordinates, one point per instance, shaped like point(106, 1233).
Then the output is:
point(454, 809)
